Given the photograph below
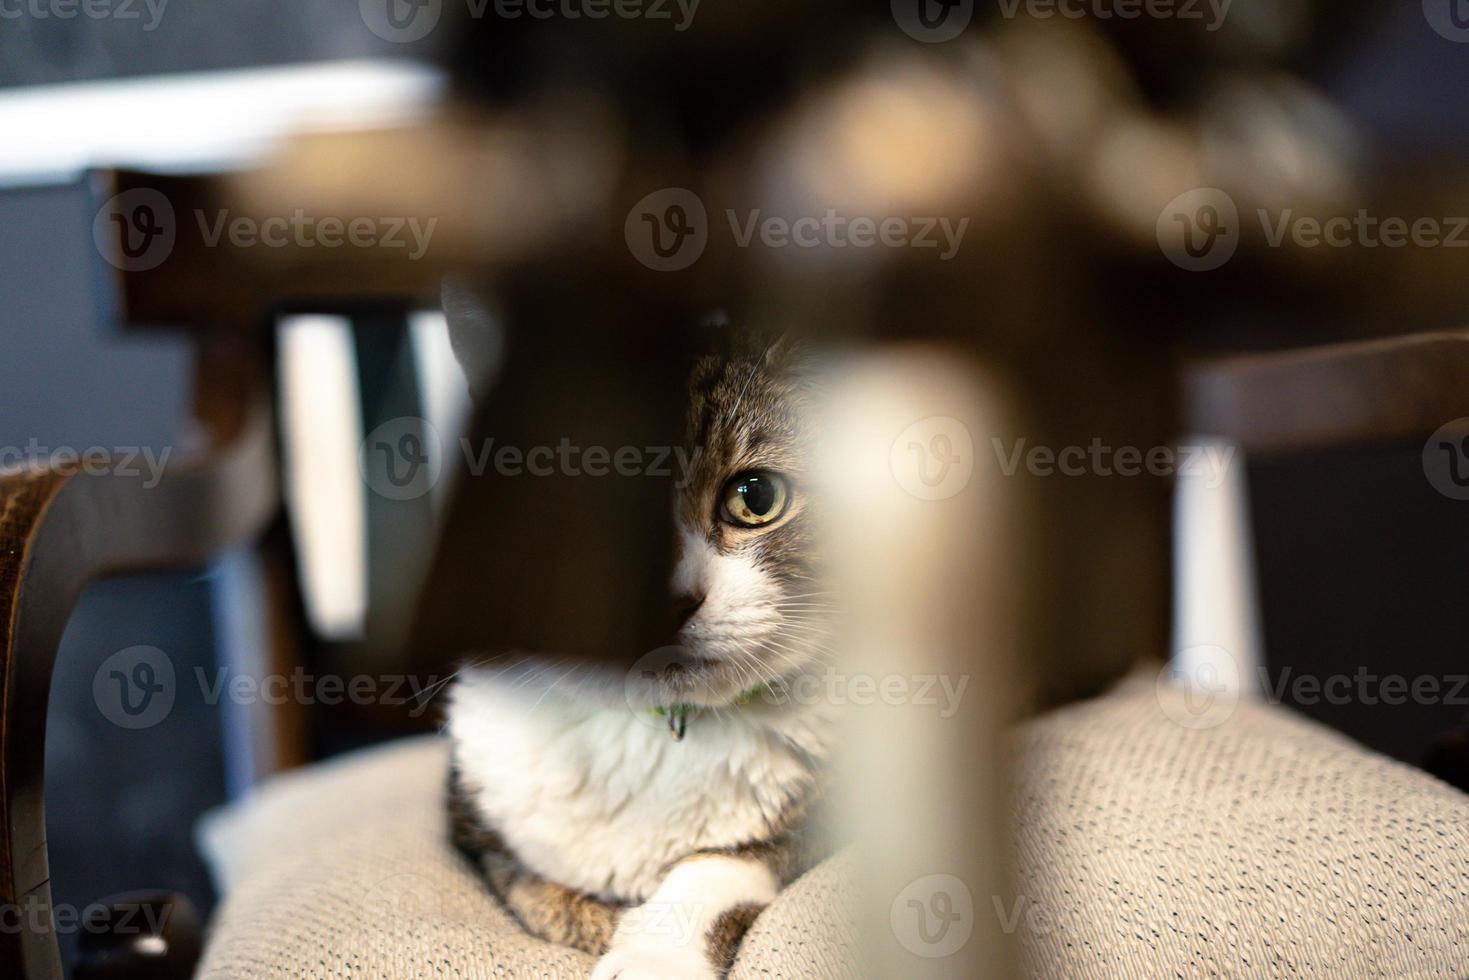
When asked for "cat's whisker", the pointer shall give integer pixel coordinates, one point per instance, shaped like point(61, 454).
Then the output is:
point(758, 669)
point(748, 674)
point(569, 674)
point(811, 643)
point(805, 622)
point(432, 690)
point(794, 669)
point(805, 618)
point(541, 670)
point(813, 652)
point(814, 630)
point(787, 654)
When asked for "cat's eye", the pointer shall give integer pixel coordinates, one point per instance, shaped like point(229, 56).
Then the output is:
point(755, 499)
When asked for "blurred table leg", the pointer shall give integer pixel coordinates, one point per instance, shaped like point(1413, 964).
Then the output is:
point(925, 561)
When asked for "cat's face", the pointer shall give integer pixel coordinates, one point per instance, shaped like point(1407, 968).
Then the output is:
point(746, 592)
point(746, 581)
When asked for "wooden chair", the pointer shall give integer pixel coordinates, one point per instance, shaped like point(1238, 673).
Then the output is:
point(61, 528)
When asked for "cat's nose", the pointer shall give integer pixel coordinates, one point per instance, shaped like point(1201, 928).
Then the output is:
point(684, 607)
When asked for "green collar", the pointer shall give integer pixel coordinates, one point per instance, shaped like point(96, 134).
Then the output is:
point(678, 714)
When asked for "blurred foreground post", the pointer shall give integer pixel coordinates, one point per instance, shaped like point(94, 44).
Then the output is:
point(925, 560)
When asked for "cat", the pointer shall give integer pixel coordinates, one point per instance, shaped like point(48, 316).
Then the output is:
point(648, 818)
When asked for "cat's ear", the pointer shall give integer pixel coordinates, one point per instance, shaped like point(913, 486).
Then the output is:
point(730, 340)
point(779, 348)
point(475, 337)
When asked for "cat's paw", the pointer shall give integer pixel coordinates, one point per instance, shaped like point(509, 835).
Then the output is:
point(652, 962)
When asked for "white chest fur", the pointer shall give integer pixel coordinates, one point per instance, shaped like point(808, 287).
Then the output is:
point(602, 798)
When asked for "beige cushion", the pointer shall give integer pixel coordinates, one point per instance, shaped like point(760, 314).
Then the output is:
point(1259, 844)
point(344, 870)
point(1262, 846)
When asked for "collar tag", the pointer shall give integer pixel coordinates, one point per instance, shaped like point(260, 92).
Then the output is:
point(678, 714)
point(678, 721)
